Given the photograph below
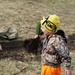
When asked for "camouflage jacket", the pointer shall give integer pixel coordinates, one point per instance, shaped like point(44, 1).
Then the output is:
point(54, 52)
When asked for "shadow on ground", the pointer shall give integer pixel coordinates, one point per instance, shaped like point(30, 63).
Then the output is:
point(71, 42)
point(15, 48)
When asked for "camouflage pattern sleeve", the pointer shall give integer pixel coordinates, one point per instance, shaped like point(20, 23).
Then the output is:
point(64, 53)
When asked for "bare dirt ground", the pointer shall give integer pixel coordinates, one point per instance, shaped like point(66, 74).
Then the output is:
point(24, 14)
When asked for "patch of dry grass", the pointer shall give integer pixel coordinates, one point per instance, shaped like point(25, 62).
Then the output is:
point(24, 14)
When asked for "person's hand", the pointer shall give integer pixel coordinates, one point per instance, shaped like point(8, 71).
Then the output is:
point(68, 72)
point(36, 36)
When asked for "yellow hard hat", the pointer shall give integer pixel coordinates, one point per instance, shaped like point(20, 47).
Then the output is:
point(51, 23)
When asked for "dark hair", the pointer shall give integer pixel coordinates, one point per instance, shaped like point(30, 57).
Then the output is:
point(62, 34)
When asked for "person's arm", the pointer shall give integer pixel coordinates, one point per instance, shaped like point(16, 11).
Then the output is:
point(64, 53)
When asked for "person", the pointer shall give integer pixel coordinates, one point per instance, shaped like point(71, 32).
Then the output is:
point(54, 51)
point(39, 32)
point(1, 47)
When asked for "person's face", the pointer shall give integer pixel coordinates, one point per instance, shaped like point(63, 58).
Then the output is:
point(46, 33)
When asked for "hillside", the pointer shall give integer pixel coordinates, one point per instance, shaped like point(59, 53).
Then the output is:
point(24, 14)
